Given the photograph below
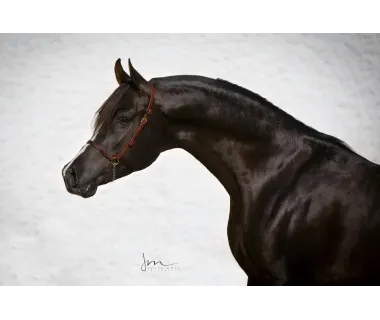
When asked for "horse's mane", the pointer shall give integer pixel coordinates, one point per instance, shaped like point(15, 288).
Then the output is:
point(105, 113)
point(249, 94)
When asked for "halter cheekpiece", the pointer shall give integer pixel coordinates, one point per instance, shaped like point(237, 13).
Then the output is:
point(114, 159)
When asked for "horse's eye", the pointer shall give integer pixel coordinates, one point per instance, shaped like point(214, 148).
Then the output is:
point(123, 120)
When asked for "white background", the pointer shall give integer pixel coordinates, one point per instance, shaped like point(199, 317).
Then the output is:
point(174, 211)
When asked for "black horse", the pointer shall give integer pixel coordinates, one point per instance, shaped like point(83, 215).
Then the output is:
point(304, 207)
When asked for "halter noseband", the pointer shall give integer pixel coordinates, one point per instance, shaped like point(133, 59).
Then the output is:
point(114, 159)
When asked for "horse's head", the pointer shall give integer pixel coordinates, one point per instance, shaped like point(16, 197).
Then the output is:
point(128, 136)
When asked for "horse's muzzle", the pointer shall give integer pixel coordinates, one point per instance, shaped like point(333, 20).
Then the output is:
point(71, 179)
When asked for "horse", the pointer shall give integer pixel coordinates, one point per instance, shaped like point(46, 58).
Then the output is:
point(304, 206)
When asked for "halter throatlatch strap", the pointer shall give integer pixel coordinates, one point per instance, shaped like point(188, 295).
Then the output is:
point(114, 159)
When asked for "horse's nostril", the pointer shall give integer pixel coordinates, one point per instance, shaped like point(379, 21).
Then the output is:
point(72, 177)
point(74, 174)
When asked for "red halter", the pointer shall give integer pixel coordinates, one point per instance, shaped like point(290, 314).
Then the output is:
point(114, 159)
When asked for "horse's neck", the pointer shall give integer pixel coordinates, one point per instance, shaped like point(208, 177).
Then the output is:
point(222, 135)
point(212, 152)
point(235, 163)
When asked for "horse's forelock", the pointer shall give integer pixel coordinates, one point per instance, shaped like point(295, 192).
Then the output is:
point(105, 113)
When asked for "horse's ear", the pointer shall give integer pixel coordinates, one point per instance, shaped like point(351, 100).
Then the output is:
point(121, 75)
point(138, 80)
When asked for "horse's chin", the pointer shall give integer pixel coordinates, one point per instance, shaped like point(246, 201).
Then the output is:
point(88, 190)
point(88, 194)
